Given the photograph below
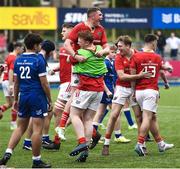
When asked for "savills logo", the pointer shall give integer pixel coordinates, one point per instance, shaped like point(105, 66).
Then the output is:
point(38, 18)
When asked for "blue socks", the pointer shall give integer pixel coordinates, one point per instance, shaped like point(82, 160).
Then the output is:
point(128, 116)
point(102, 118)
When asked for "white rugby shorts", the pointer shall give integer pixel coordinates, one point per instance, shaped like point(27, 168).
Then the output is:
point(86, 99)
point(148, 99)
point(121, 94)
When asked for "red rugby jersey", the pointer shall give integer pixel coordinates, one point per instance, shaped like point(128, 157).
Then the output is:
point(9, 65)
point(122, 63)
point(99, 34)
point(150, 62)
point(65, 68)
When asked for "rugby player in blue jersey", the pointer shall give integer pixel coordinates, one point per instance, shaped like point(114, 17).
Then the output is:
point(32, 98)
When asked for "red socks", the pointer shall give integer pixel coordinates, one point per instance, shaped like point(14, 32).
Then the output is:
point(13, 115)
point(57, 139)
point(82, 140)
point(64, 118)
point(141, 139)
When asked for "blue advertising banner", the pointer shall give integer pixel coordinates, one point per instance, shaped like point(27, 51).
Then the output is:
point(113, 17)
point(127, 18)
point(166, 18)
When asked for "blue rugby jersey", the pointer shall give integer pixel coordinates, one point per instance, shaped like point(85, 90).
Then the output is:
point(28, 68)
point(110, 76)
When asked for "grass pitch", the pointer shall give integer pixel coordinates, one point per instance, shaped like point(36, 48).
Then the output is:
point(121, 155)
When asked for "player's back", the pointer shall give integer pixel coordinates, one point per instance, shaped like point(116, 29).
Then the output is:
point(149, 62)
point(28, 67)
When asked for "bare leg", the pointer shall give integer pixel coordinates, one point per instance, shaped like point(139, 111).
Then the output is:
point(18, 132)
point(37, 135)
point(87, 121)
point(77, 123)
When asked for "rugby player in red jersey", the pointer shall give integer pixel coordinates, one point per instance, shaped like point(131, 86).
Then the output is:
point(64, 70)
point(94, 16)
point(147, 94)
point(7, 83)
point(123, 86)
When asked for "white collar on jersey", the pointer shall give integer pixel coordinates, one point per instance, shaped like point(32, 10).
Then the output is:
point(29, 53)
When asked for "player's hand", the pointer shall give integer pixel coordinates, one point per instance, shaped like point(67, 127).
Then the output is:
point(133, 96)
point(109, 94)
point(144, 74)
point(170, 69)
point(15, 105)
point(80, 58)
point(166, 86)
point(51, 72)
point(99, 53)
point(50, 107)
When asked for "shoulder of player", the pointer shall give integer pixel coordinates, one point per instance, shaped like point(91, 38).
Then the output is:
point(62, 50)
point(100, 27)
point(118, 56)
point(79, 25)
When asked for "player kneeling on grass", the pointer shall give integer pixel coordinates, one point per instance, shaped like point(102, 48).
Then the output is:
point(88, 94)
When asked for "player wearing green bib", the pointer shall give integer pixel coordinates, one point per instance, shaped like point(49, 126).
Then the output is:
point(88, 93)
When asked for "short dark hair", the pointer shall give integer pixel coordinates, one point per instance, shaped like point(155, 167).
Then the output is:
point(125, 39)
point(86, 35)
point(48, 46)
point(17, 44)
point(32, 39)
point(91, 10)
point(67, 25)
point(150, 38)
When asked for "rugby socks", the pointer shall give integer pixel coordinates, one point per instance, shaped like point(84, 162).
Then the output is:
point(127, 113)
point(158, 139)
point(82, 140)
point(45, 138)
point(141, 139)
point(95, 125)
point(107, 139)
point(94, 132)
point(27, 142)
point(9, 150)
point(13, 115)
point(64, 118)
point(3, 108)
point(117, 133)
point(105, 113)
point(57, 139)
point(36, 159)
